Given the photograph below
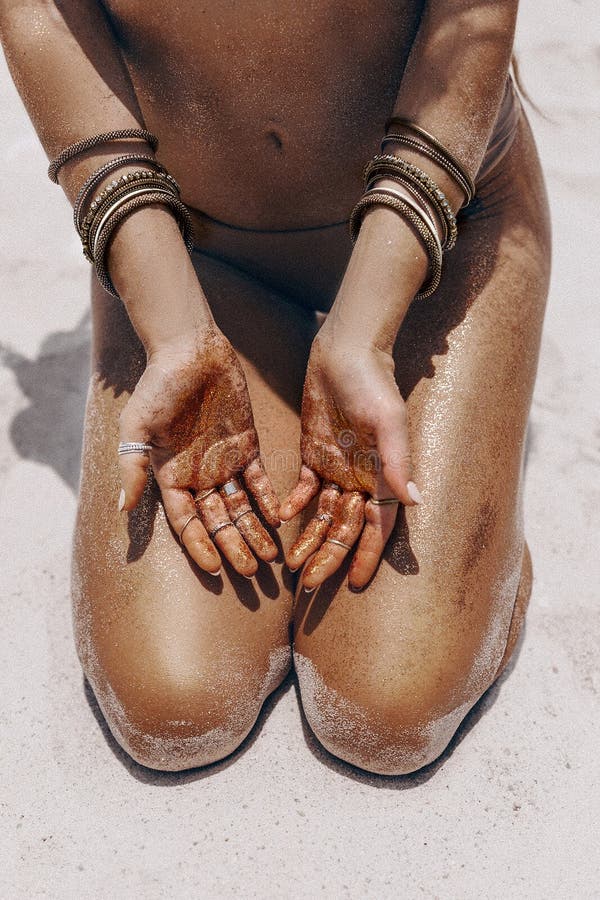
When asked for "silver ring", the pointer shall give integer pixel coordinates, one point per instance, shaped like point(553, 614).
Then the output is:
point(231, 487)
point(133, 447)
point(339, 543)
point(218, 528)
point(187, 522)
point(332, 484)
point(239, 515)
point(384, 501)
point(204, 494)
point(324, 517)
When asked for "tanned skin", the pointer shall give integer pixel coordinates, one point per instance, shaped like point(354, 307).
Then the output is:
point(266, 114)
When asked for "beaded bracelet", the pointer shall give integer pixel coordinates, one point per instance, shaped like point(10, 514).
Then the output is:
point(398, 168)
point(394, 121)
point(132, 204)
point(115, 203)
point(393, 165)
point(380, 197)
point(89, 185)
point(118, 188)
point(88, 143)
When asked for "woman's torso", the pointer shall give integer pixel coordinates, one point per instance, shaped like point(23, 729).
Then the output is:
point(266, 110)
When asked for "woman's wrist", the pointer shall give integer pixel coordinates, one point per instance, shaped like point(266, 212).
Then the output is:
point(151, 269)
point(387, 267)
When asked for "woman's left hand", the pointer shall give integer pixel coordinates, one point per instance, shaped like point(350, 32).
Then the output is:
point(354, 447)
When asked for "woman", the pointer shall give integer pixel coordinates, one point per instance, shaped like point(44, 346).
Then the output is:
point(267, 114)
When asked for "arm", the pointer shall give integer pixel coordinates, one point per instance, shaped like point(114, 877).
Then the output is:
point(71, 77)
point(452, 87)
point(69, 72)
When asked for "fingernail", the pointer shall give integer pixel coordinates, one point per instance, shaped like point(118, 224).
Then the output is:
point(310, 590)
point(413, 492)
point(121, 500)
point(293, 570)
point(217, 572)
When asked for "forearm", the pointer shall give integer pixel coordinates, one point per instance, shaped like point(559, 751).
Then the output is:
point(69, 72)
point(455, 77)
point(386, 269)
point(452, 87)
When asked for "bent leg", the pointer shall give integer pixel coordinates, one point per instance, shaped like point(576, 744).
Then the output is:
point(180, 661)
point(387, 674)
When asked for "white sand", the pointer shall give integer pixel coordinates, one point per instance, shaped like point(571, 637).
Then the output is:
point(512, 811)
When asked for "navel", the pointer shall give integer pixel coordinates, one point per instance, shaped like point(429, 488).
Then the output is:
point(275, 138)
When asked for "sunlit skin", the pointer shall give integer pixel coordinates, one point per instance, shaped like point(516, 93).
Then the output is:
point(267, 113)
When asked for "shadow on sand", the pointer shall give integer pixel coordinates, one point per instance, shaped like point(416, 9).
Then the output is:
point(49, 430)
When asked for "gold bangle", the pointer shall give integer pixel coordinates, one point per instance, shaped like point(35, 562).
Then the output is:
point(388, 164)
point(415, 200)
point(442, 162)
point(115, 205)
point(430, 240)
point(180, 210)
point(129, 159)
point(406, 123)
point(118, 188)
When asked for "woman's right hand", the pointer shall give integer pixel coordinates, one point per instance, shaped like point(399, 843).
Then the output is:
point(192, 405)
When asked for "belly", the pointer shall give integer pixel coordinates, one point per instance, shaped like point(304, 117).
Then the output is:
point(267, 110)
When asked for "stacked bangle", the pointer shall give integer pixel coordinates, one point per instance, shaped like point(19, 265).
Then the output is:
point(121, 197)
point(423, 206)
point(387, 165)
point(117, 189)
point(129, 206)
point(388, 197)
point(431, 147)
point(97, 176)
point(432, 154)
point(418, 198)
point(416, 204)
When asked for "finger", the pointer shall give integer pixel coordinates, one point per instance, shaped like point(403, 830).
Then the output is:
point(307, 488)
point(247, 522)
point(225, 535)
point(316, 531)
point(342, 536)
point(260, 486)
point(378, 527)
point(308, 542)
point(133, 467)
point(179, 506)
point(256, 536)
point(396, 465)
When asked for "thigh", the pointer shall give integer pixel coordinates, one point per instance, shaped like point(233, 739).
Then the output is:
point(160, 641)
point(425, 638)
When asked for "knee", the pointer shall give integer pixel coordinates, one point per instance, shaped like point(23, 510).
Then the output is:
point(391, 726)
point(172, 722)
